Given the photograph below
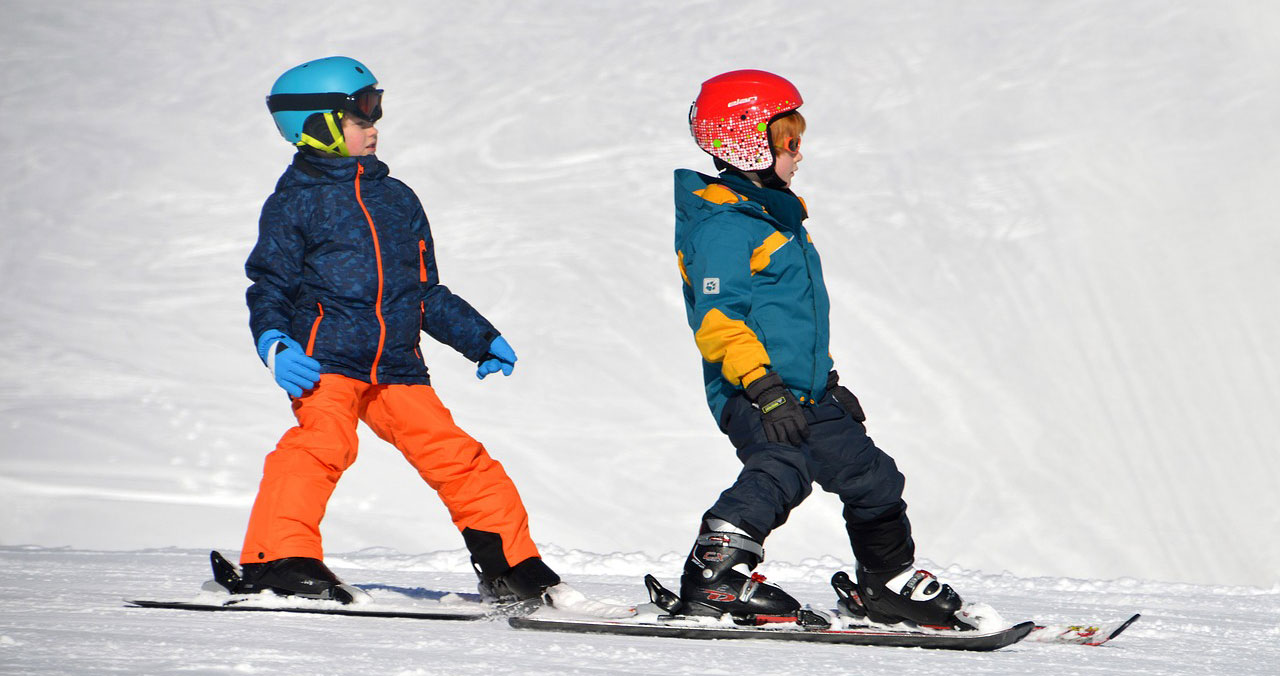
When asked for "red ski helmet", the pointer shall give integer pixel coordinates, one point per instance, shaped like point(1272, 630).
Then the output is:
point(730, 118)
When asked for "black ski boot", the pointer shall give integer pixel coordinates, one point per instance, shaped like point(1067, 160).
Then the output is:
point(909, 595)
point(717, 579)
point(295, 576)
point(524, 581)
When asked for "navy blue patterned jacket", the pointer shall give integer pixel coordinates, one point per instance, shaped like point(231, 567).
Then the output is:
point(345, 265)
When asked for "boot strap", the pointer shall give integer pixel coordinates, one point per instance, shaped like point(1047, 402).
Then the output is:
point(733, 541)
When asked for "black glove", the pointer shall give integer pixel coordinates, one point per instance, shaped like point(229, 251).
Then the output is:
point(844, 397)
point(783, 420)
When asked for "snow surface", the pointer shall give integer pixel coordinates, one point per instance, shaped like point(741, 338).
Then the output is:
point(1049, 237)
point(63, 613)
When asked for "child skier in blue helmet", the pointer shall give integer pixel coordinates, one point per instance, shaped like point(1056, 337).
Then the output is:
point(758, 306)
point(344, 282)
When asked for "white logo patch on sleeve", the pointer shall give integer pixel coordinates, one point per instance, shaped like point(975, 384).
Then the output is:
point(711, 285)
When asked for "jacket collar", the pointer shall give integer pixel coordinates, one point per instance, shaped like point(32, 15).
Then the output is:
point(780, 203)
point(308, 169)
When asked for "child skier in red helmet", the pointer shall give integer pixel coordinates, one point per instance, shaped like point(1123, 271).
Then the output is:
point(758, 306)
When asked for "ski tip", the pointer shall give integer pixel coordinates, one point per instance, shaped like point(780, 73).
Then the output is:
point(1124, 625)
point(1084, 634)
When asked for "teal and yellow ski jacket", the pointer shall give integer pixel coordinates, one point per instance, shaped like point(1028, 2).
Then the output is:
point(753, 286)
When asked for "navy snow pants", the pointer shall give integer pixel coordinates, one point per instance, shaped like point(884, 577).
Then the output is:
point(841, 458)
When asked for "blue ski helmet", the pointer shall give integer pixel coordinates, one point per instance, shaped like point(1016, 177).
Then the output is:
point(322, 86)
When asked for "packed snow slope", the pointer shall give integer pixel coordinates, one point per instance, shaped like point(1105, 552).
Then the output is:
point(62, 612)
point(1048, 229)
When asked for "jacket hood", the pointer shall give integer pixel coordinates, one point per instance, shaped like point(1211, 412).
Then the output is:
point(693, 205)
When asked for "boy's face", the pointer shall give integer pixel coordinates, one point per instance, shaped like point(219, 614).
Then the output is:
point(360, 136)
point(784, 166)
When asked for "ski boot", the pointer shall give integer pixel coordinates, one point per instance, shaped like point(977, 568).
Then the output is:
point(523, 584)
point(718, 580)
point(528, 585)
point(910, 595)
point(295, 576)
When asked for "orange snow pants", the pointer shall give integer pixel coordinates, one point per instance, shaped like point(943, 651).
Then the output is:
point(300, 475)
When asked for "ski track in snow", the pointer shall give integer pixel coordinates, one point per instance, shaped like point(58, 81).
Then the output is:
point(61, 611)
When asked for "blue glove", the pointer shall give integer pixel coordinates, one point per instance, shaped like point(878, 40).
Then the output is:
point(500, 358)
point(290, 366)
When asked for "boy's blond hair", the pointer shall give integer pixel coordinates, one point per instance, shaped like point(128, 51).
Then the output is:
point(788, 126)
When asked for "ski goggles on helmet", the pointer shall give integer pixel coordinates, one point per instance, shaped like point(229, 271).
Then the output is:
point(364, 103)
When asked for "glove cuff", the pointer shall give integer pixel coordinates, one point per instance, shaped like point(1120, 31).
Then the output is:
point(764, 383)
point(495, 345)
point(266, 340)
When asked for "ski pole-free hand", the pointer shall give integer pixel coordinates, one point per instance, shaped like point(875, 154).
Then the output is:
point(292, 368)
point(847, 400)
point(500, 358)
point(784, 422)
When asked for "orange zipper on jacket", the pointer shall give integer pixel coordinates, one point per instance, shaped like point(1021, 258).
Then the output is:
point(422, 260)
point(377, 256)
point(315, 328)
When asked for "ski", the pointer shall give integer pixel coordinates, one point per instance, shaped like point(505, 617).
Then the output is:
point(1080, 634)
point(695, 628)
point(317, 608)
point(219, 594)
point(661, 618)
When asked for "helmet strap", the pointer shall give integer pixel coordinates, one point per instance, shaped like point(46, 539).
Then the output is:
point(769, 175)
point(338, 146)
